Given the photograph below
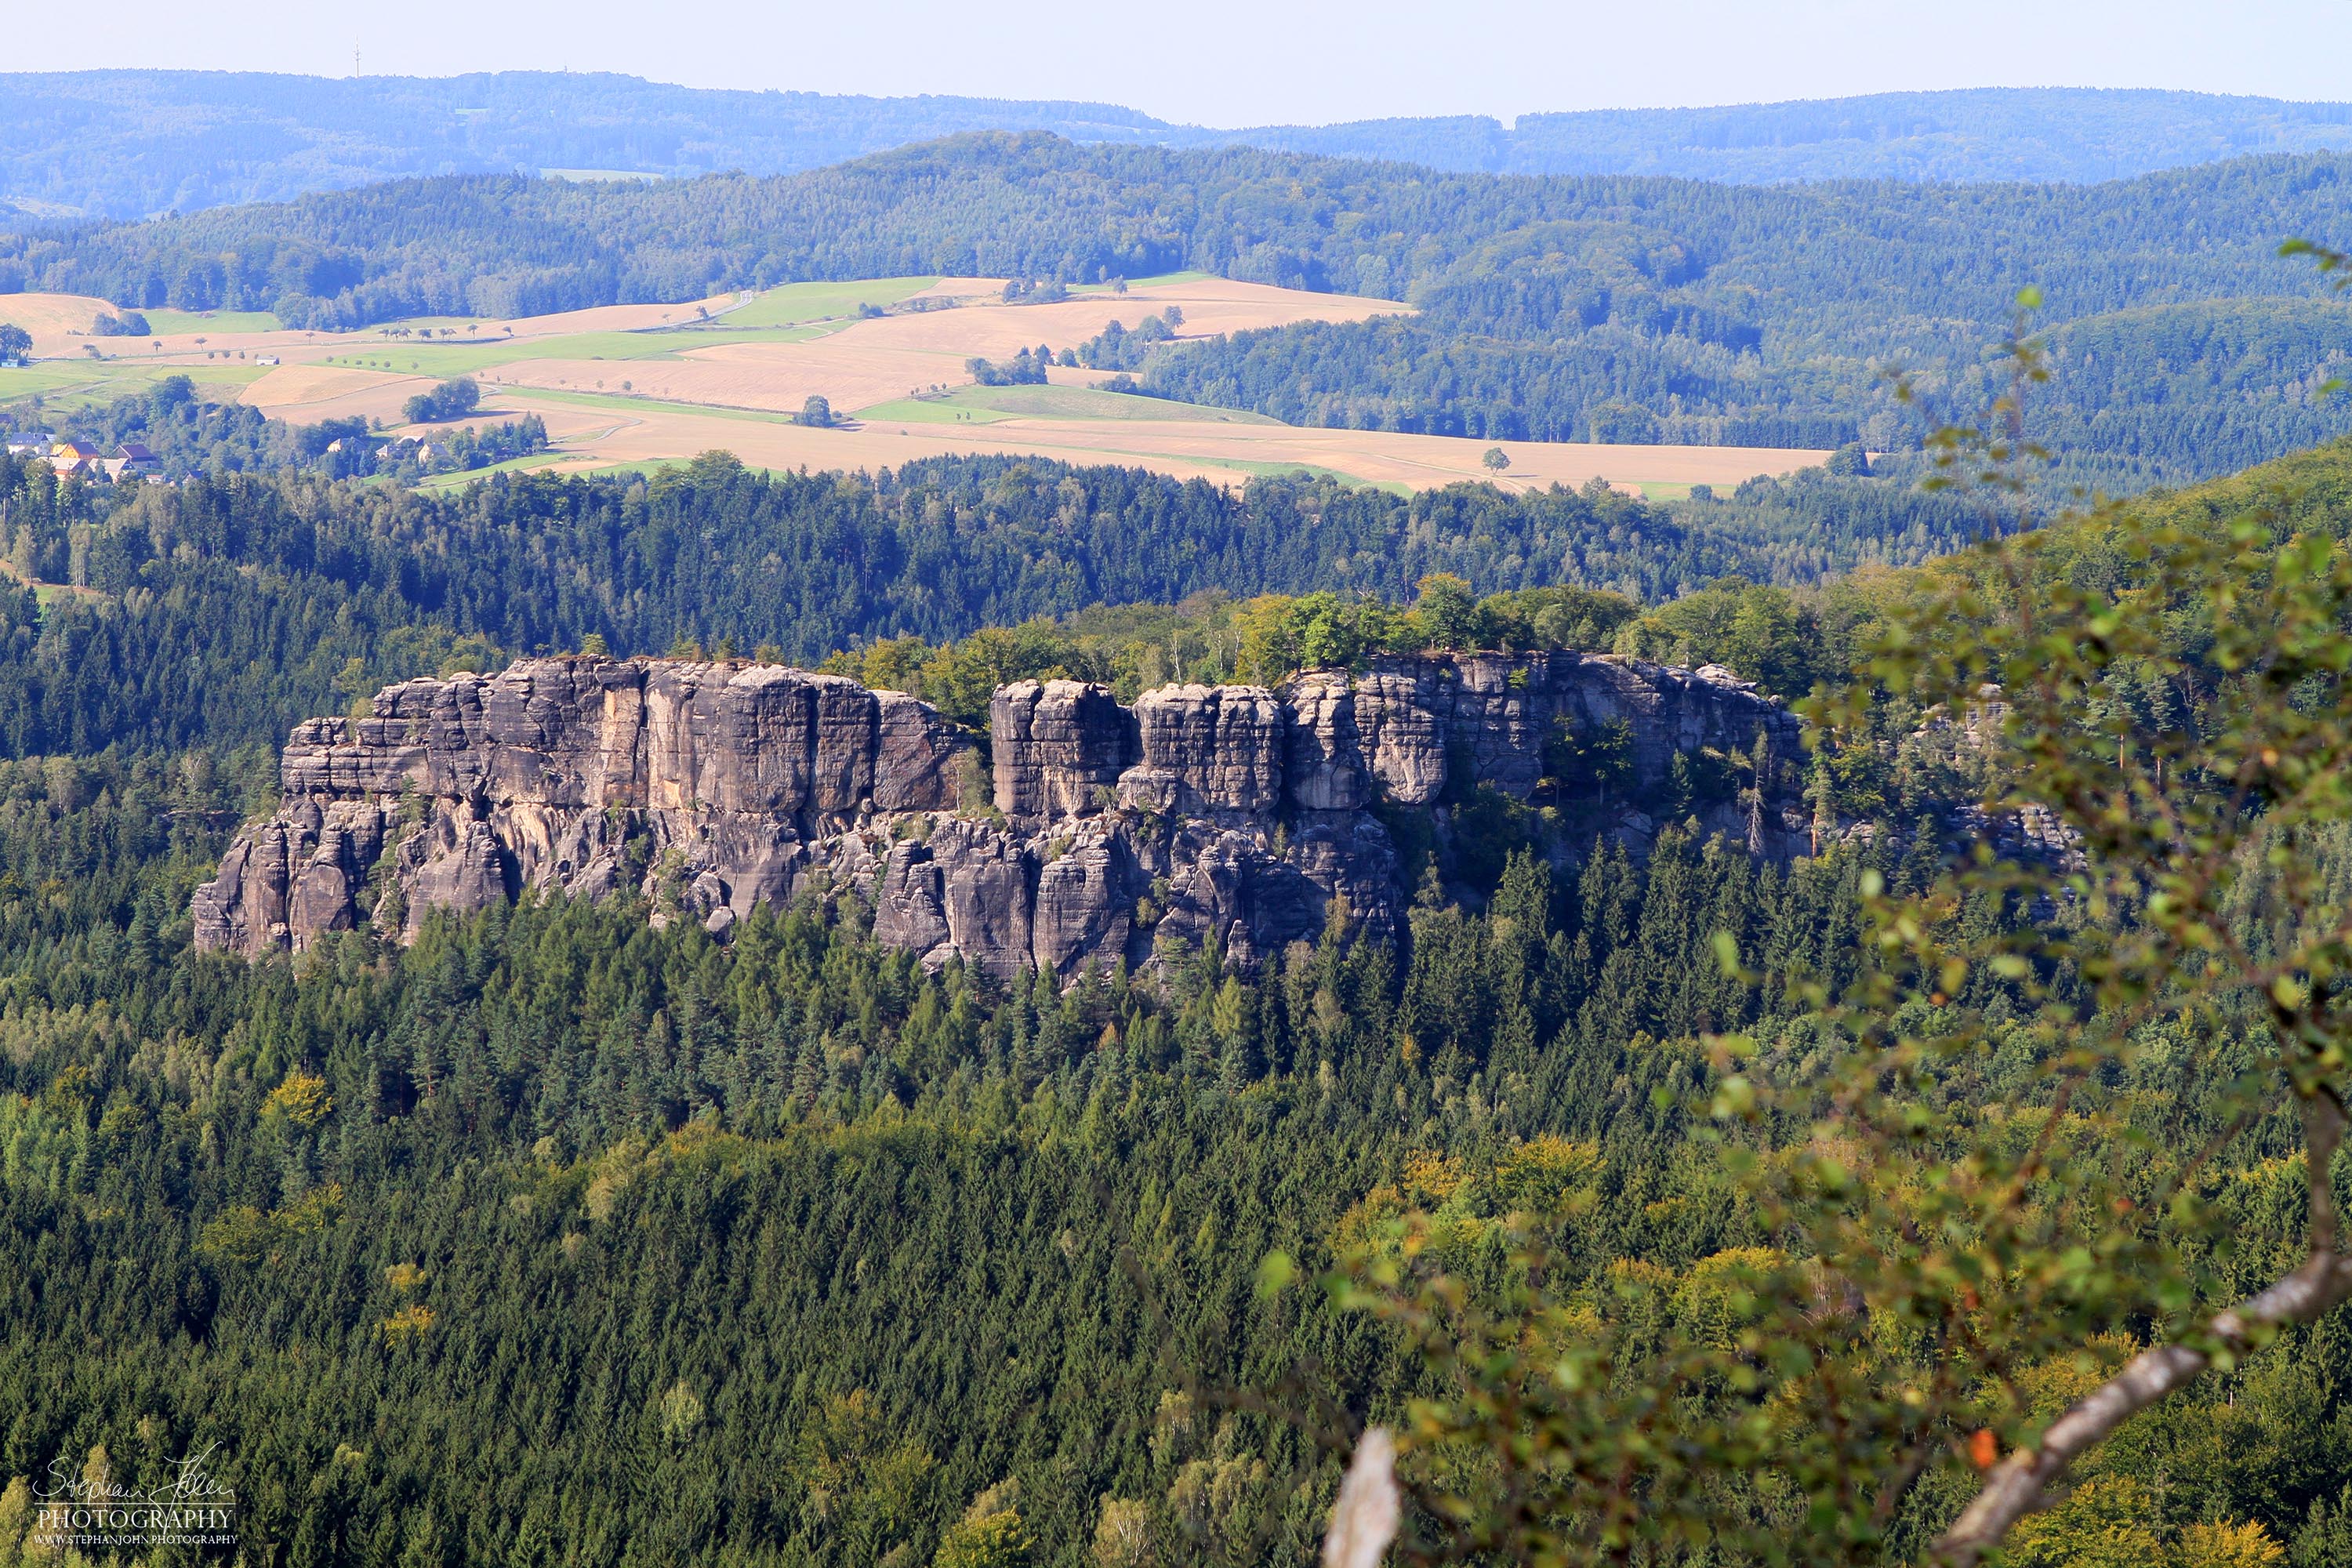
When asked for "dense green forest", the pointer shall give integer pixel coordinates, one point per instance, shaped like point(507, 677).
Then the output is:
point(560, 1236)
point(1596, 307)
point(1934, 260)
point(2138, 397)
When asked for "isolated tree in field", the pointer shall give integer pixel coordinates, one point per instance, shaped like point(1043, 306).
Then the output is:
point(817, 412)
point(15, 343)
point(1849, 461)
point(450, 400)
point(1494, 459)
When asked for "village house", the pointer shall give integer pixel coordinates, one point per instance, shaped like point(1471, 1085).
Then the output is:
point(75, 459)
point(130, 459)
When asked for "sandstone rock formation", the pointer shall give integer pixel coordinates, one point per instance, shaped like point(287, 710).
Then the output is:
point(1231, 814)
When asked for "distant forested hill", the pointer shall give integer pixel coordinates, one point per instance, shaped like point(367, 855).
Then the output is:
point(1901, 268)
point(1554, 308)
point(129, 143)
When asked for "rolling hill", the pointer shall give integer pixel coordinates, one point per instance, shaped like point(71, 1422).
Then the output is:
point(1611, 309)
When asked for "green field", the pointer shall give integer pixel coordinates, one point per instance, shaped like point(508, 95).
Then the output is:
point(1306, 470)
point(62, 384)
point(1145, 282)
point(794, 303)
point(467, 359)
point(160, 323)
point(583, 174)
point(623, 403)
point(460, 479)
point(989, 405)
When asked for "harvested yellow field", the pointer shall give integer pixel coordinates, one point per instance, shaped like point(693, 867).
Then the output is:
point(59, 323)
point(306, 393)
point(1210, 306)
point(873, 360)
point(777, 377)
point(600, 433)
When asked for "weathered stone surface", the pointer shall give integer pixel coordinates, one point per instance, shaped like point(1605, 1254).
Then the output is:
point(910, 903)
point(920, 759)
point(989, 894)
point(1326, 759)
point(1055, 743)
point(1086, 903)
point(545, 775)
point(1400, 713)
point(463, 867)
point(1229, 815)
point(1223, 745)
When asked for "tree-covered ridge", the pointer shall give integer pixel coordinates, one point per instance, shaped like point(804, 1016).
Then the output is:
point(222, 612)
point(147, 142)
point(2160, 395)
point(1931, 260)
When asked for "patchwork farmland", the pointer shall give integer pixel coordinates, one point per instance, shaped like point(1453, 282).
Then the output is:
point(645, 384)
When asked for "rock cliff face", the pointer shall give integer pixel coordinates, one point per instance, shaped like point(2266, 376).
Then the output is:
point(1230, 813)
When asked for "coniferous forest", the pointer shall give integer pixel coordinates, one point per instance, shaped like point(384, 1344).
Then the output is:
point(1962, 1189)
point(560, 1236)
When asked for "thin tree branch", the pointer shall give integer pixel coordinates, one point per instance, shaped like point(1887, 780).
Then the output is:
point(2017, 1484)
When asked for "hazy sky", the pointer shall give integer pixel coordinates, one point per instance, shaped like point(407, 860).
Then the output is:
point(1243, 62)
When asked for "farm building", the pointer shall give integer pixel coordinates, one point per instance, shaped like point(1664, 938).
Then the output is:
point(129, 460)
